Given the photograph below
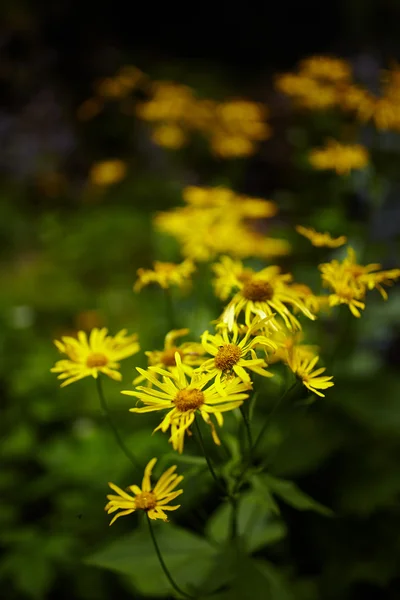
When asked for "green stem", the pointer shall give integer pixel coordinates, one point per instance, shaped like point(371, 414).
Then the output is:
point(234, 518)
point(248, 430)
point(274, 409)
point(231, 497)
point(209, 464)
point(111, 423)
point(162, 563)
point(259, 437)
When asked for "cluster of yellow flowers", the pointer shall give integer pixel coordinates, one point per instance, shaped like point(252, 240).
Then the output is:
point(323, 82)
point(233, 127)
point(216, 221)
point(260, 324)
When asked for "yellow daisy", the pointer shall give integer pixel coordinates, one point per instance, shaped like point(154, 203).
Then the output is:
point(153, 500)
point(350, 281)
point(321, 239)
point(191, 353)
point(184, 400)
point(261, 293)
point(303, 367)
point(166, 274)
point(230, 354)
point(100, 353)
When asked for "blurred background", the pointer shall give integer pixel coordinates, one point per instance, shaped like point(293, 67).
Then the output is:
point(82, 175)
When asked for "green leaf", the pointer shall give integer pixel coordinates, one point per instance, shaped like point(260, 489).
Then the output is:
point(256, 526)
point(188, 557)
point(255, 579)
point(291, 494)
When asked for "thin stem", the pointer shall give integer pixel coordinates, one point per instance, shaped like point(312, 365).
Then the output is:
point(209, 464)
point(260, 435)
point(111, 423)
point(234, 518)
point(274, 409)
point(248, 430)
point(162, 563)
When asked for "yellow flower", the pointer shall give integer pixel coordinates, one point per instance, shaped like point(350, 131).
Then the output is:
point(107, 172)
point(153, 500)
point(169, 136)
point(326, 67)
point(228, 146)
point(321, 239)
point(286, 342)
point(170, 102)
point(215, 221)
point(184, 399)
point(191, 353)
point(261, 293)
point(100, 353)
point(341, 158)
point(229, 354)
point(306, 91)
point(305, 293)
point(165, 274)
point(228, 272)
point(303, 367)
point(238, 125)
point(350, 281)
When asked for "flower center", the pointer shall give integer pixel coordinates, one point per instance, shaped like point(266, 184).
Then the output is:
point(257, 290)
point(96, 360)
point(146, 501)
point(227, 357)
point(168, 357)
point(189, 399)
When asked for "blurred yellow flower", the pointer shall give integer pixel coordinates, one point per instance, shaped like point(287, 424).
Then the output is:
point(184, 399)
point(107, 172)
point(153, 500)
point(338, 157)
point(307, 92)
point(228, 146)
point(321, 239)
point(169, 136)
point(326, 68)
point(303, 366)
point(89, 356)
point(165, 274)
point(216, 221)
point(350, 281)
point(191, 353)
point(286, 341)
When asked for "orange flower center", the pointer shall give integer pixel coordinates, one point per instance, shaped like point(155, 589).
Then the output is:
point(146, 501)
point(168, 357)
point(189, 399)
point(257, 290)
point(96, 360)
point(227, 357)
